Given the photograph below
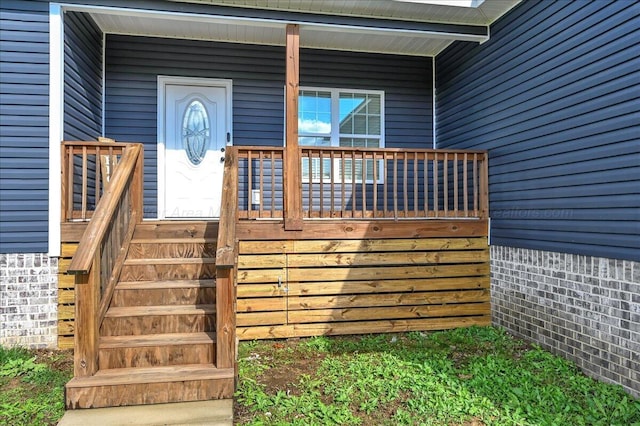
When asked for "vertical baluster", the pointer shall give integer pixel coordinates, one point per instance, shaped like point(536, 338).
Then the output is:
point(273, 184)
point(405, 185)
point(465, 185)
point(97, 183)
point(84, 183)
point(249, 182)
point(333, 182)
point(375, 184)
point(415, 185)
point(425, 182)
point(484, 186)
point(310, 208)
point(385, 207)
point(455, 184)
point(475, 184)
point(364, 183)
point(445, 189)
point(343, 205)
point(261, 165)
point(71, 175)
point(321, 155)
point(436, 184)
point(395, 185)
point(353, 184)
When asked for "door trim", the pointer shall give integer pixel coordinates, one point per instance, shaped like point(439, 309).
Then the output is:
point(163, 81)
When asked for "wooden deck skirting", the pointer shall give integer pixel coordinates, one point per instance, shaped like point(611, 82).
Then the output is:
point(352, 277)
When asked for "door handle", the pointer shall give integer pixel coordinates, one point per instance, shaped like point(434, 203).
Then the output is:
point(221, 149)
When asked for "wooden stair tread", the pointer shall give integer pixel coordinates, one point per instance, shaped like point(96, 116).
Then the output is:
point(171, 261)
point(137, 375)
point(168, 339)
point(177, 240)
point(162, 284)
point(138, 311)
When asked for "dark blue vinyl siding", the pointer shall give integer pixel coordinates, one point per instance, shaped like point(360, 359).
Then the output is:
point(554, 98)
point(82, 78)
point(24, 126)
point(134, 63)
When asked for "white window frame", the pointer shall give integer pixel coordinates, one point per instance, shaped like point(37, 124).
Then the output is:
point(335, 135)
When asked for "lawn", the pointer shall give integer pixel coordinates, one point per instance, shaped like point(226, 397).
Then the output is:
point(474, 376)
point(32, 385)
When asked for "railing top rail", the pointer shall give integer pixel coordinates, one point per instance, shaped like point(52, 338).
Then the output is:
point(100, 144)
point(241, 149)
point(257, 148)
point(392, 150)
point(96, 229)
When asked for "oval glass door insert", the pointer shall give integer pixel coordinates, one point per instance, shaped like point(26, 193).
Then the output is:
point(196, 132)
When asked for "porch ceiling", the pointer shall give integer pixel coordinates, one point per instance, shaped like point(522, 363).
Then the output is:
point(385, 34)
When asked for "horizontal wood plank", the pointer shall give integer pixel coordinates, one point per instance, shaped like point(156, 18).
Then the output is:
point(388, 299)
point(363, 229)
point(387, 272)
point(244, 319)
point(393, 258)
point(360, 327)
point(360, 246)
point(359, 287)
point(396, 312)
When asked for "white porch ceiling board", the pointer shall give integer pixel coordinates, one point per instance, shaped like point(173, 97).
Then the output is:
point(311, 36)
point(358, 42)
point(485, 14)
point(195, 30)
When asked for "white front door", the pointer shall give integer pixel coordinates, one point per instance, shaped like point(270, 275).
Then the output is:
point(196, 131)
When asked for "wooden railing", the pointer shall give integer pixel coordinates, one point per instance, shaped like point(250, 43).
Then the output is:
point(225, 264)
point(87, 168)
point(260, 182)
point(367, 183)
point(102, 249)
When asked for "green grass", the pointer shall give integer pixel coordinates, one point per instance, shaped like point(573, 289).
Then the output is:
point(32, 386)
point(472, 376)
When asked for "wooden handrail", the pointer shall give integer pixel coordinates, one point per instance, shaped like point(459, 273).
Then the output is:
point(92, 238)
point(225, 263)
point(101, 253)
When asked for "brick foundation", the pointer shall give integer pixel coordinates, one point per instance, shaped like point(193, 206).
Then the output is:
point(28, 300)
point(586, 309)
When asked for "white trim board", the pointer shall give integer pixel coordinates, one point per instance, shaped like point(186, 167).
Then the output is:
point(163, 81)
point(56, 123)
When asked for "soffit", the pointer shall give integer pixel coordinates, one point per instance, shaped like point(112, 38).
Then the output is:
point(402, 39)
point(485, 14)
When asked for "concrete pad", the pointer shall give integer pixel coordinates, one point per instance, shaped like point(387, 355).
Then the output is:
point(214, 413)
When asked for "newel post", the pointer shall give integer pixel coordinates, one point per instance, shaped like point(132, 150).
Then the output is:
point(292, 166)
point(87, 287)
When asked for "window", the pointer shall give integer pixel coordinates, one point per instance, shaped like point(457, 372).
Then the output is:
point(340, 117)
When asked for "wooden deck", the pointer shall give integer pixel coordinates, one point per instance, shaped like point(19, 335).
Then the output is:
point(156, 307)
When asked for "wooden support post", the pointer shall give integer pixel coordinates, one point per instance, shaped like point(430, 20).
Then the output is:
point(225, 318)
point(292, 172)
point(85, 356)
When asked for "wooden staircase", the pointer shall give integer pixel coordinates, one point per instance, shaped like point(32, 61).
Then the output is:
point(157, 341)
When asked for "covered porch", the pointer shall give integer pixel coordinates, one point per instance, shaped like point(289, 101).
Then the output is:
point(364, 231)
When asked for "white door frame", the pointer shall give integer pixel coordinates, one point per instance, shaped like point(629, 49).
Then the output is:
point(163, 81)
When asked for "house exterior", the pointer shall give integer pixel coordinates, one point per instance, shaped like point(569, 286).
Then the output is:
point(548, 88)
